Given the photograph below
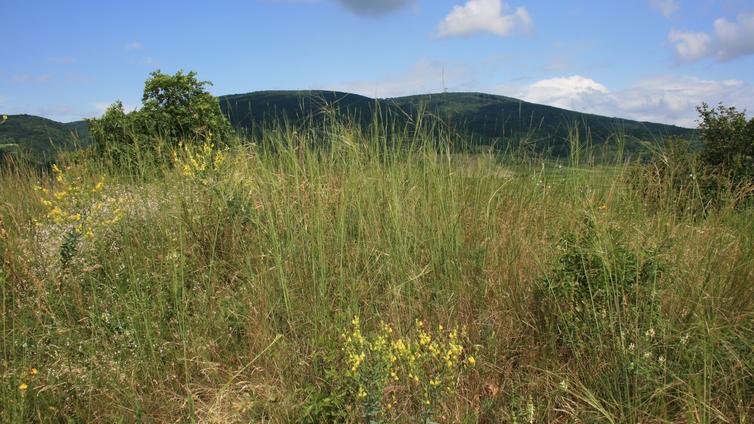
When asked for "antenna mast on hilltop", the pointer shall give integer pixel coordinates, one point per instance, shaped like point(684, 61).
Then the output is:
point(444, 88)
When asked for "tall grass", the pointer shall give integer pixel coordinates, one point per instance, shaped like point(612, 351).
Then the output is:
point(220, 295)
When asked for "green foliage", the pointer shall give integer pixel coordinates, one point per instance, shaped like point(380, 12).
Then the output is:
point(179, 107)
point(693, 181)
point(174, 108)
point(597, 276)
point(728, 142)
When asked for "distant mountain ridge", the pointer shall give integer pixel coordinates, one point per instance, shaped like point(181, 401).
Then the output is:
point(485, 119)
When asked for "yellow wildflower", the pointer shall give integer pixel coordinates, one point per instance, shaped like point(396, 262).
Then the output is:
point(23, 386)
point(33, 371)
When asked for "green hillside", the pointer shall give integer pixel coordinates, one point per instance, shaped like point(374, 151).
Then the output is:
point(39, 138)
point(486, 119)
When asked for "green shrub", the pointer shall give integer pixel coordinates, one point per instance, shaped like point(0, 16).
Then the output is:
point(175, 108)
point(728, 142)
point(693, 180)
point(597, 287)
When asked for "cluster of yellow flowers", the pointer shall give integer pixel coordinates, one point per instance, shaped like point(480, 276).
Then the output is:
point(23, 387)
point(199, 162)
point(78, 205)
point(420, 369)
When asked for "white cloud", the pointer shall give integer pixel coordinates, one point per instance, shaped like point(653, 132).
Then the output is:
point(423, 77)
point(566, 92)
point(730, 40)
point(666, 7)
point(668, 99)
point(735, 38)
point(478, 16)
point(691, 46)
point(134, 45)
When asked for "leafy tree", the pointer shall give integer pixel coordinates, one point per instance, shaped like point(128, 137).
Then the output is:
point(113, 128)
point(174, 108)
point(728, 142)
point(178, 106)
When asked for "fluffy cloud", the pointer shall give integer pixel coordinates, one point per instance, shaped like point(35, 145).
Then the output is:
point(567, 92)
point(484, 16)
point(735, 38)
point(666, 99)
point(729, 40)
point(666, 7)
point(374, 7)
point(691, 46)
point(134, 45)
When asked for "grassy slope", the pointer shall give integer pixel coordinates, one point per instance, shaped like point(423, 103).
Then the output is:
point(220, 300)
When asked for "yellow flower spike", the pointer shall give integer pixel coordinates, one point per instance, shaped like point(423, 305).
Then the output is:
point(471, 361)
point(99, 185)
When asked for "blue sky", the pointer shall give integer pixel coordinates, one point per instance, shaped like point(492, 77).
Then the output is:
point(642, 59)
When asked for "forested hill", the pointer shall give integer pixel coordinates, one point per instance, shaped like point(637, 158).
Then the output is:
point(40, 138)
point(485, 118)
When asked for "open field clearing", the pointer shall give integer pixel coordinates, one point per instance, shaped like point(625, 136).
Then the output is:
point(311, 278)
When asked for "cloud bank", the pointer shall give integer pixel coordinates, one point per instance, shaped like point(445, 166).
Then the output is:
point(668, 99)
point(729, 40)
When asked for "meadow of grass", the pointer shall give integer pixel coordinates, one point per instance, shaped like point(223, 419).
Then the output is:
point(337, 275)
